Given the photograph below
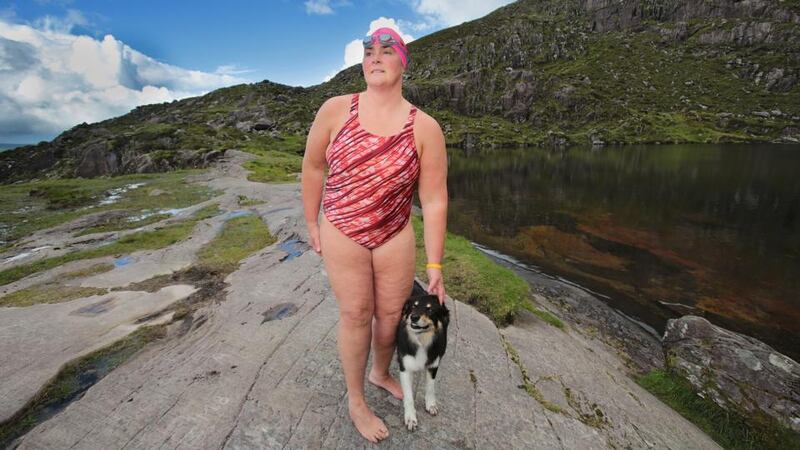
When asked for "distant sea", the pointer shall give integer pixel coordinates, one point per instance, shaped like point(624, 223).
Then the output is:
point(4, 147)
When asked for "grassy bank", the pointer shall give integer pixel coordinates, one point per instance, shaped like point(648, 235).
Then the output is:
point(143, 240)
point(278, 160)
point(36, 205)
point(728, 429)
point(240, 237)
point(473, 278)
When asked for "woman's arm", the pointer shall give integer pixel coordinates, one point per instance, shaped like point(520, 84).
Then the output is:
point(433, 188)
point(314, 165)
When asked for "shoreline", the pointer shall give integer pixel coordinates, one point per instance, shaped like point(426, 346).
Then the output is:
point(637, 343)
point(263, 382)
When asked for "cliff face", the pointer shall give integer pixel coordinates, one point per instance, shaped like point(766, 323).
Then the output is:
point(531, 73)
point(620, 71)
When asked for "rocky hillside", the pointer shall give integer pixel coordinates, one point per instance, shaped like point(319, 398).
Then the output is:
point(534, 72)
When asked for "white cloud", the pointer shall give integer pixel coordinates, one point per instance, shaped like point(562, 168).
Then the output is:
point(59, 24)
point(318, 7)
point(354, 51)
point(231, 69)
point(432, 15)
point(51, 80)
point(324, 6)
point(453, 12)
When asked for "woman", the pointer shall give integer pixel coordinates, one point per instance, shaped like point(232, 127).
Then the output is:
point(365, 236)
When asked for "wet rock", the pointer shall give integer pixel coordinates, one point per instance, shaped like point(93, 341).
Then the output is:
point(738, 372)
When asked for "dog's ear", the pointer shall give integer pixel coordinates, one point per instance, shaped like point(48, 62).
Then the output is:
point(445, 315)
point(407, 308)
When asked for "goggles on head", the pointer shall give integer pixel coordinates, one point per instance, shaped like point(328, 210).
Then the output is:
point(383, 38)
point(388, 40)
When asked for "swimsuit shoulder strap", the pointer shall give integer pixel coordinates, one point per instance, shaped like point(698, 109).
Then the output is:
point(354, 104)
point(411, 115)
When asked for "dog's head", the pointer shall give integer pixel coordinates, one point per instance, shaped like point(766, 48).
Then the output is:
point(423, 314)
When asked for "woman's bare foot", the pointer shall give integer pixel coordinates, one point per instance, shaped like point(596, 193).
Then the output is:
point(366, 422)
point(389, 383)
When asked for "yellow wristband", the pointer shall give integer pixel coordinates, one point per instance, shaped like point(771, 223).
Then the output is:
point(433, 265)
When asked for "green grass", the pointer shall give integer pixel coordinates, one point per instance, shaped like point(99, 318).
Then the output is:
point(728, 429)
point(144, 240)
point(240, 237)
point(29, 207)
point(471, 277)
point(247, 201)
point(544, 315)
point(121, 223)
point(207, 212)
point(278, 160)
point(527, 383)
point(48, 293)
point(91, 270)
point(274, 166)
point(55, 291)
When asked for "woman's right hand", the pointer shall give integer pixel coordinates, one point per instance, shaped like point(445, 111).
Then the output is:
point(313, 235)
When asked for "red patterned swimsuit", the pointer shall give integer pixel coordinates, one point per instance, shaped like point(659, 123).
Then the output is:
point(371, 180)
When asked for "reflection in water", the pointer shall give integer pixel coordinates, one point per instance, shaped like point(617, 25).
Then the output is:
point(663, 230)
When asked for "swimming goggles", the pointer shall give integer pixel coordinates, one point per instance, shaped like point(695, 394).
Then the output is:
point(384, 38)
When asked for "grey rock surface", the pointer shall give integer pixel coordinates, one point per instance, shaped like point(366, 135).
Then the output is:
point(35, 341)
point(234, 380)
point(738, 372)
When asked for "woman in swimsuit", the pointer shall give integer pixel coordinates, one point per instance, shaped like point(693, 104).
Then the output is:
point(365, 236)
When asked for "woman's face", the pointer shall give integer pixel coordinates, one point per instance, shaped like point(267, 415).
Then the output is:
point(382, 64)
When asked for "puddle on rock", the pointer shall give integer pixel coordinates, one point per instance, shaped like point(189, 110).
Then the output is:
point(238, 213)
point(115, 194)
point(274, 210)
point(280, 311)
point(293, 248)
point(95, 308)
point(24, 254)
point(123, 261)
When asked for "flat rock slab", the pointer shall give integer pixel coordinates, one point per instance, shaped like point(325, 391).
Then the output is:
point(585, 378)
point(145, 264)
point(35, 341)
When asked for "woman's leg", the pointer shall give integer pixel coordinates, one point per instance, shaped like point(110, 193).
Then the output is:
point(349, 268)
point(393, 265)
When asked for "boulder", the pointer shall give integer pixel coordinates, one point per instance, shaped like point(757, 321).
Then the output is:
point(97, 160)
point(738, 372)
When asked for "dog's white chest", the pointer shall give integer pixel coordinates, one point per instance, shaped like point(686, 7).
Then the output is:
point(417, 362)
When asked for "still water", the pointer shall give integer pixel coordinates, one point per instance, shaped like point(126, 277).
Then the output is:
point(661, 230)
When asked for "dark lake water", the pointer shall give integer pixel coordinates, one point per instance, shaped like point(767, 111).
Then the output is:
point(659, 230)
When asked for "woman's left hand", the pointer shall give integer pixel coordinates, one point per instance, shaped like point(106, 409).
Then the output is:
point(436, 284)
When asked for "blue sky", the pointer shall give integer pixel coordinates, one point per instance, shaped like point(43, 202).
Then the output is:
point(63, 62)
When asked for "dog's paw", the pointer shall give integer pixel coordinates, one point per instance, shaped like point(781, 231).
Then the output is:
point(432, 408)
point(411, 422)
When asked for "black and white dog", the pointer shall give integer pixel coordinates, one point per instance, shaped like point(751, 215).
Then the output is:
point(421, 342)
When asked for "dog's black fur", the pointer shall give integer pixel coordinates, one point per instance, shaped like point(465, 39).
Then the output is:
point(421, 339)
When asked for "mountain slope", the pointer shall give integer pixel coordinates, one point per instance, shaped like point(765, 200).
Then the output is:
point(530, 73)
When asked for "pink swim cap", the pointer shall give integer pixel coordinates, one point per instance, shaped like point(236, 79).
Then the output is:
point(400, 46)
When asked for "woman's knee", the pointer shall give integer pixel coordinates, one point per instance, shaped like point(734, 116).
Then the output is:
point(358, 316)
point(386, 326)
point(389, 313)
